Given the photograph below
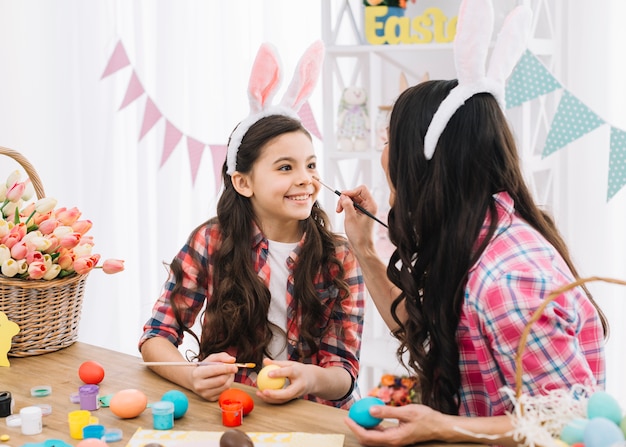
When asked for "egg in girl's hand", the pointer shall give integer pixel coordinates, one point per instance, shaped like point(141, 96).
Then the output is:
point(360, 412)
point(127, 404)
point(264, 382)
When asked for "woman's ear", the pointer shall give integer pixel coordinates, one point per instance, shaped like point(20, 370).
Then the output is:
point(241, 183)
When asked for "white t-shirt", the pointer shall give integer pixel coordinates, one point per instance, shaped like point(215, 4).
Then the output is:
point(278, 252)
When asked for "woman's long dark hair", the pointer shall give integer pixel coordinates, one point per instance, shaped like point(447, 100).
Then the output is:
point(439, 209)
point(236, 313)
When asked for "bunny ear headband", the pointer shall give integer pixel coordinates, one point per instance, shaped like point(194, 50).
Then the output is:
point(264, 82)
point(471, 45)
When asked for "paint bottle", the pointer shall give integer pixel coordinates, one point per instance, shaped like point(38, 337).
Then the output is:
point(163, 415)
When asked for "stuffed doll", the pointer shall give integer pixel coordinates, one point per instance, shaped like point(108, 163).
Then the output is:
point(353, 126)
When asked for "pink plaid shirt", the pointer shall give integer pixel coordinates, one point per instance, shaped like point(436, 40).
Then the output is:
point(516, 272)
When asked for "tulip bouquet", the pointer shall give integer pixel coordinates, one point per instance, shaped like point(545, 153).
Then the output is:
point(39, 242)
point(396, 391)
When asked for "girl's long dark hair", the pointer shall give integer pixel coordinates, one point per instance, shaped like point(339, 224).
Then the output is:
point(439, 209)
point(235, 316)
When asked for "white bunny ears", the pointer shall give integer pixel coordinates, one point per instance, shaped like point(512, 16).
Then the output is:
point(471, 45)
point(265, 80)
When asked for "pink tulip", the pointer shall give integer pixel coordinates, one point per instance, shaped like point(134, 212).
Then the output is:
point(82, 226)
point(68, 217)
point(34, 256)
point(47, 226)
point(10, 240)
point(19, 251)
point(84, 265)
point(54, 244)
point(111, 266)
point(16, 191)
point(36, 270)
point(66, 260)
point(19, 230)
point(40, 217)
point(70, 240)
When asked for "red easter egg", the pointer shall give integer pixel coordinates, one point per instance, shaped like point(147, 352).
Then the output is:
point(91, 372)
point(236, 394)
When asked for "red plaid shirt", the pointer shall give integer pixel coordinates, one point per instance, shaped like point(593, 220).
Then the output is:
point(516, 272)
point(341, 343)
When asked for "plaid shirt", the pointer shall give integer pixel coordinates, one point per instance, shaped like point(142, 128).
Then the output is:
point(343, 321)
point(516, 272)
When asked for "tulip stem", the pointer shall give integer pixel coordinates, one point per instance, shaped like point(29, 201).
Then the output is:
point(29, 218)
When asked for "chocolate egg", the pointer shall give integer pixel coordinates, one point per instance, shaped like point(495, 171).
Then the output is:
point(235, 438)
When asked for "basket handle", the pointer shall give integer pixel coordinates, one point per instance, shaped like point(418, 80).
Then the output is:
point(28, 167)
point(537, 314)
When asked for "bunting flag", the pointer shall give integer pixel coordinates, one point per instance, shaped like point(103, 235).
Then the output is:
point(529, 80)
point(170, 141)
point(219, 157)
point(152, 115)
point(617, 162)
point(195, 149)
point(572, 120)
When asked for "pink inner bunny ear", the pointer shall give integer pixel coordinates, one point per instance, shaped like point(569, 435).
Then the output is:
point(473, 36)
point(265, 78)
point(305, 76)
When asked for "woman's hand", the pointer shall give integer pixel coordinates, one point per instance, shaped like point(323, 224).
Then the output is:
point(208, 381)
point(416, 423)
point(358, 226)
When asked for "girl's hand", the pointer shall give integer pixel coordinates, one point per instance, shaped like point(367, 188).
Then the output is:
point(416, 423)
point(208, 381)
point(298, 382)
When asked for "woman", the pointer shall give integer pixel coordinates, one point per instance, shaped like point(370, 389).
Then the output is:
point(474, 258)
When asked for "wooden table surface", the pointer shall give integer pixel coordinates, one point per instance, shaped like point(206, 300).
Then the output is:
point(122, 371)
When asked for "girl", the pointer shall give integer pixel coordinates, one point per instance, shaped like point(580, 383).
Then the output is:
point(274, 281)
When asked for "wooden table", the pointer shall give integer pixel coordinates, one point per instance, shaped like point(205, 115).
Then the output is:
point(60, 371)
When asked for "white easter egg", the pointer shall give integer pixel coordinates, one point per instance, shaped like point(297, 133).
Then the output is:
point(601, 432)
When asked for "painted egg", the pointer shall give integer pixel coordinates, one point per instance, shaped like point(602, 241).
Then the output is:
point(91, 442)
point(360, 412)
point(601, 432)
point(602, 404)
point(127, 404)
point(264, 382)
point(237, 395)
point(573, 432)
point(91, 372)
point(180, 401)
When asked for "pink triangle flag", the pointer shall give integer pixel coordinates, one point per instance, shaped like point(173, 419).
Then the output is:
point(195, 148)
point(308, 120)
point(150, 117)
point(118, 60)
point(134, 91)
point(218, 152)
point(171, 139)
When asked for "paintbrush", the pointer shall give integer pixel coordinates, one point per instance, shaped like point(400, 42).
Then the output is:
point(239, 365)
point(356, 205)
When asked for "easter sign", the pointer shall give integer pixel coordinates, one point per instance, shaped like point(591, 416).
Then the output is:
point(387, 25)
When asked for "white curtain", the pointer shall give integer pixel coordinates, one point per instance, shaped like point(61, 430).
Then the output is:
point(193, 60)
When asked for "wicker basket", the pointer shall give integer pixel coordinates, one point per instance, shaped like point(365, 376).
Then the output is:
point(47, 312)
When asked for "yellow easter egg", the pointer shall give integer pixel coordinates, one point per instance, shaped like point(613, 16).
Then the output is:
point(263, 382)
